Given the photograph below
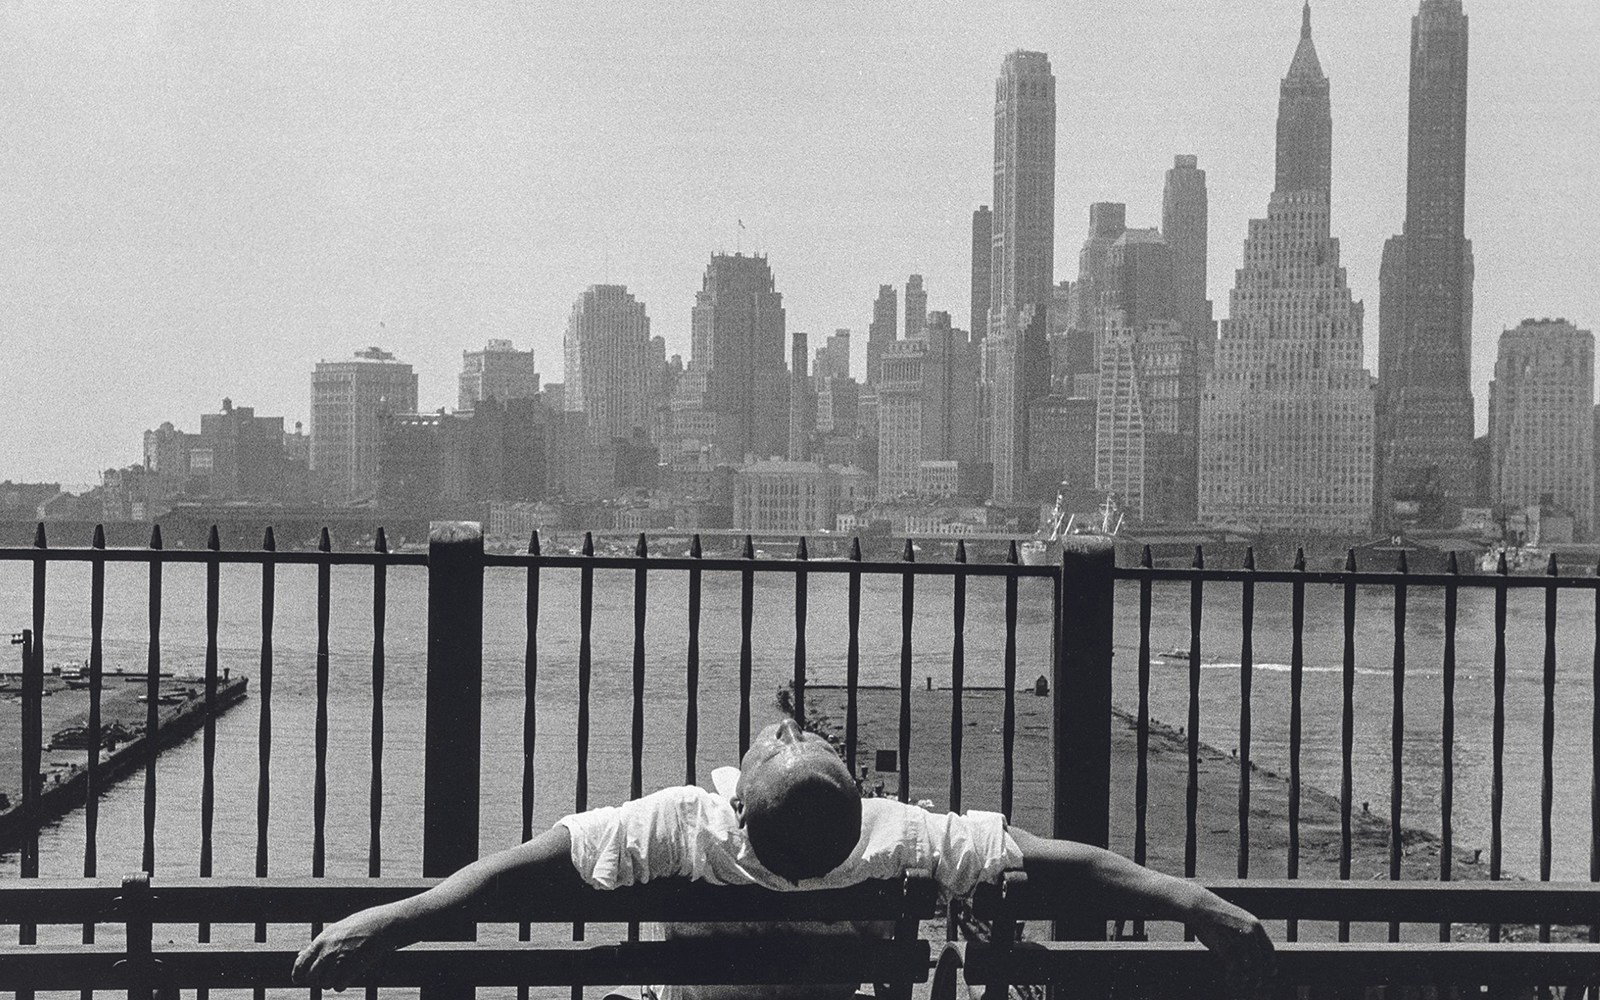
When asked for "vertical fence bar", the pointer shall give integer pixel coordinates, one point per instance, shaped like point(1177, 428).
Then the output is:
point(1191, 808)
point(1347, 727)
point(319, 802)
point(1397, 734)
point(747, 582)
point(958, 673)
point(585, 677)
point(152, 691)
point(1247, 615)
point(958, 683)
point(1594, 758)
point(1081, 709)
point(1498, 737)
point(269, 586)
point(453, 726)
point(1447, 749)
point(852, 658)
point(1141, 757)
point(33, 729)
point(91, 800)
point(1008, 723)
point(208, 766)
point(530, 714)
point(800, 611)
point(380, 617)
point(640, 605)
point(908, 584)
point(691, 724)
point(1547, 784)
point(1297, 677)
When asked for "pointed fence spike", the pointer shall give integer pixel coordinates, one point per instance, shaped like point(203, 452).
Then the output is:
point(99, 540)
point(1502, 569)
point(961, 550)
point(1450, 565)
point(324, 541)
point(1249, 557)
point(1350, 560)
point(908, 554)
point(1011, 553)
point(800, 551)
point(642, 549)
point(38, 536)
point(1300, 560)
point(533, 542)
point(1550, 568)
point(381, 542)
point(269, 541)
point(749, 551)
point(155, 536)
point(1199, 557)
point(588, 543)
point(1146, 560)
point(1405, 567)
point(213, 539)
point(855, 549)
point(694, 546)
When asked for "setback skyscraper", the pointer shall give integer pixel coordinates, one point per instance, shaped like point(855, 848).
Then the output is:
point(881, 332)
point(1022, 259)
point(916, 308)
point(1425, 287)
point(606, 351)
point(1286, 420)
point(738, 328)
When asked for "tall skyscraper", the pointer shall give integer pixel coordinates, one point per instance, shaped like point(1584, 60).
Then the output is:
point(916, 307)
point(802, 401)
point(881, 332)
point(607, 359)
point(1425, 286)
point(499, 371)
point(1286, 421)
point(982, 261)
point(925, 405)
point(1108, 220)
point(1022, 259)
point(351, 401)
point(738, 329)
point(1184, 215)
point(1541, 418)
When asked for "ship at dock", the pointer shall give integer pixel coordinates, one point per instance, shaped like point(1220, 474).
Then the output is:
point(1044, 549)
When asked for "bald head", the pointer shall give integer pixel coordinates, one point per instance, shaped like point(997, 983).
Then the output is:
point(798, 804)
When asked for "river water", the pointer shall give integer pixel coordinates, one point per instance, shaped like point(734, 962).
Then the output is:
point(350, 697)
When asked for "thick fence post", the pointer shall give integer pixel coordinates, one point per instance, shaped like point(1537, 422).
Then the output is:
point(1081, 710)
point(454, 723)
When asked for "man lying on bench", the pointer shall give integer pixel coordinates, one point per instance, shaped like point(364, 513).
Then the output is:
point(789, 818)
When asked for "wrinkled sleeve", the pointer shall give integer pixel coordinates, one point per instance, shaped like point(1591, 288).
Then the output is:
point(650, 837)
point(968, 849)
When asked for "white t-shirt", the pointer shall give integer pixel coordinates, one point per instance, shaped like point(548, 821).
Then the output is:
point(690, 832)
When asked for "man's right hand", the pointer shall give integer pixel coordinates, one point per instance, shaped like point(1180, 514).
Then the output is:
point(343, 953)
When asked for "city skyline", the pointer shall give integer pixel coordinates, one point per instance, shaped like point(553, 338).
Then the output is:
point(185, 237)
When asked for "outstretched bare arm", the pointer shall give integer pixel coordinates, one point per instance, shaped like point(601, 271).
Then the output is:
point(1105, 879)
point(345, 950)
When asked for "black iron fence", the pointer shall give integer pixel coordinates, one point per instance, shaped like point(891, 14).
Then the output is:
point(1083, 586)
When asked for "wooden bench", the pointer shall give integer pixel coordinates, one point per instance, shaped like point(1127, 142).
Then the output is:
point(136, 964)
point(1147, 968)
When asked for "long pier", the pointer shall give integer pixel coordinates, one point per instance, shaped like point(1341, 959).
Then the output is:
point(63, 781)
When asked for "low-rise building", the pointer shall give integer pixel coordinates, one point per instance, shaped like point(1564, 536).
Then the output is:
point(795, 497)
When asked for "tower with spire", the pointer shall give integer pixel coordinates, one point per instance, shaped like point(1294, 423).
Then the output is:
point(1425, 467)
point(1286, 418)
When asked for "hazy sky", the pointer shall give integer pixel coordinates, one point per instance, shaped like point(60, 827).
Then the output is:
point(202, 200)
